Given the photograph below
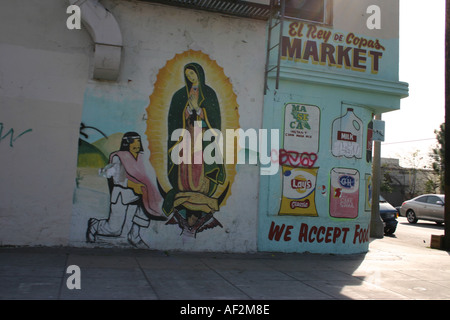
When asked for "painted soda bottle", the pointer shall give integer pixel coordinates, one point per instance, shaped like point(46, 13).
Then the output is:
point(369, 142)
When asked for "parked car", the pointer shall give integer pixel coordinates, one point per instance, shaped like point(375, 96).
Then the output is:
point(425, 207)
point(389, 216)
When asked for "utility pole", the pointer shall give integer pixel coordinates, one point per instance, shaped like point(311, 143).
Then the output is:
point(447, 131)
point(376, 224)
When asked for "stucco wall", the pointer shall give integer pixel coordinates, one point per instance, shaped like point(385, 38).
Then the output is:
point(332, 80)
point(43, 74)
point(52, 192)
point(158, 41)
point(47, 90)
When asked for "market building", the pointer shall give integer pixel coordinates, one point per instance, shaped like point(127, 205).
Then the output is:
point(231, 126)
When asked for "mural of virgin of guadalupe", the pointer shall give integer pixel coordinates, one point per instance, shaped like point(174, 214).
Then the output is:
point(192, 198)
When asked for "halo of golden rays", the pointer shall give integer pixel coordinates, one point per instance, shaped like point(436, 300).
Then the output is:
point(170, 78)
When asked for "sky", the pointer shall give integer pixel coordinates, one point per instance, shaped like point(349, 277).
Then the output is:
point(422, 66)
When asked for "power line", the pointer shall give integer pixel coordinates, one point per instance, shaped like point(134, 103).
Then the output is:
point(408, 141)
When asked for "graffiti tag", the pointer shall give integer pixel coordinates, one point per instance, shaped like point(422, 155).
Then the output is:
point(10, 133)
point(296, 159)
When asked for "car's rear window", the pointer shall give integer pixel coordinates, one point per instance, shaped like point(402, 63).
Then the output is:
point(422, 199)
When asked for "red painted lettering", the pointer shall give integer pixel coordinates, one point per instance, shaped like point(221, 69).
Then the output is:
point(327, 53)
point(355, 236)
point(288, 233)
point(311, 31)
point(345, 234)
point(336, 234)
point(375, 60)
point(358, 57)
point(343, 57)
point(302, 235)
point(321, 230)
point(322, 234)
point(328, 235)
point(291, 49)
point(295, 29)
point(275, 231)
point(362, 235)
point(313, 231)
point(311, 51)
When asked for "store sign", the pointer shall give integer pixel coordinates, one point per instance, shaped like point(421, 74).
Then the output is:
point(378, 130)
point(309, 43)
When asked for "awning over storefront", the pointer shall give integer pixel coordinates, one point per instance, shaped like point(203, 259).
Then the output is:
point(233, 7)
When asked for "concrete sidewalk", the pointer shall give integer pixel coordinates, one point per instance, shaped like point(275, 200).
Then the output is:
point(387, 271)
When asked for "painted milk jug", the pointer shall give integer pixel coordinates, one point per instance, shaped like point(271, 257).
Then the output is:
point(344, 193)
point(347, 136)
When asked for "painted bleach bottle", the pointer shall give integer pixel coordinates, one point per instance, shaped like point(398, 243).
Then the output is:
point(344, 193)
point(347, 136)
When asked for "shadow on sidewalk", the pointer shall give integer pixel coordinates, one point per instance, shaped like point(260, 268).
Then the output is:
point(41, 273)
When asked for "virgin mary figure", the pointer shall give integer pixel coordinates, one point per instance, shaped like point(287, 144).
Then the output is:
point(194, 108)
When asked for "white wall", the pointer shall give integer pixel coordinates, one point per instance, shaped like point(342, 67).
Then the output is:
point(43, 73)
